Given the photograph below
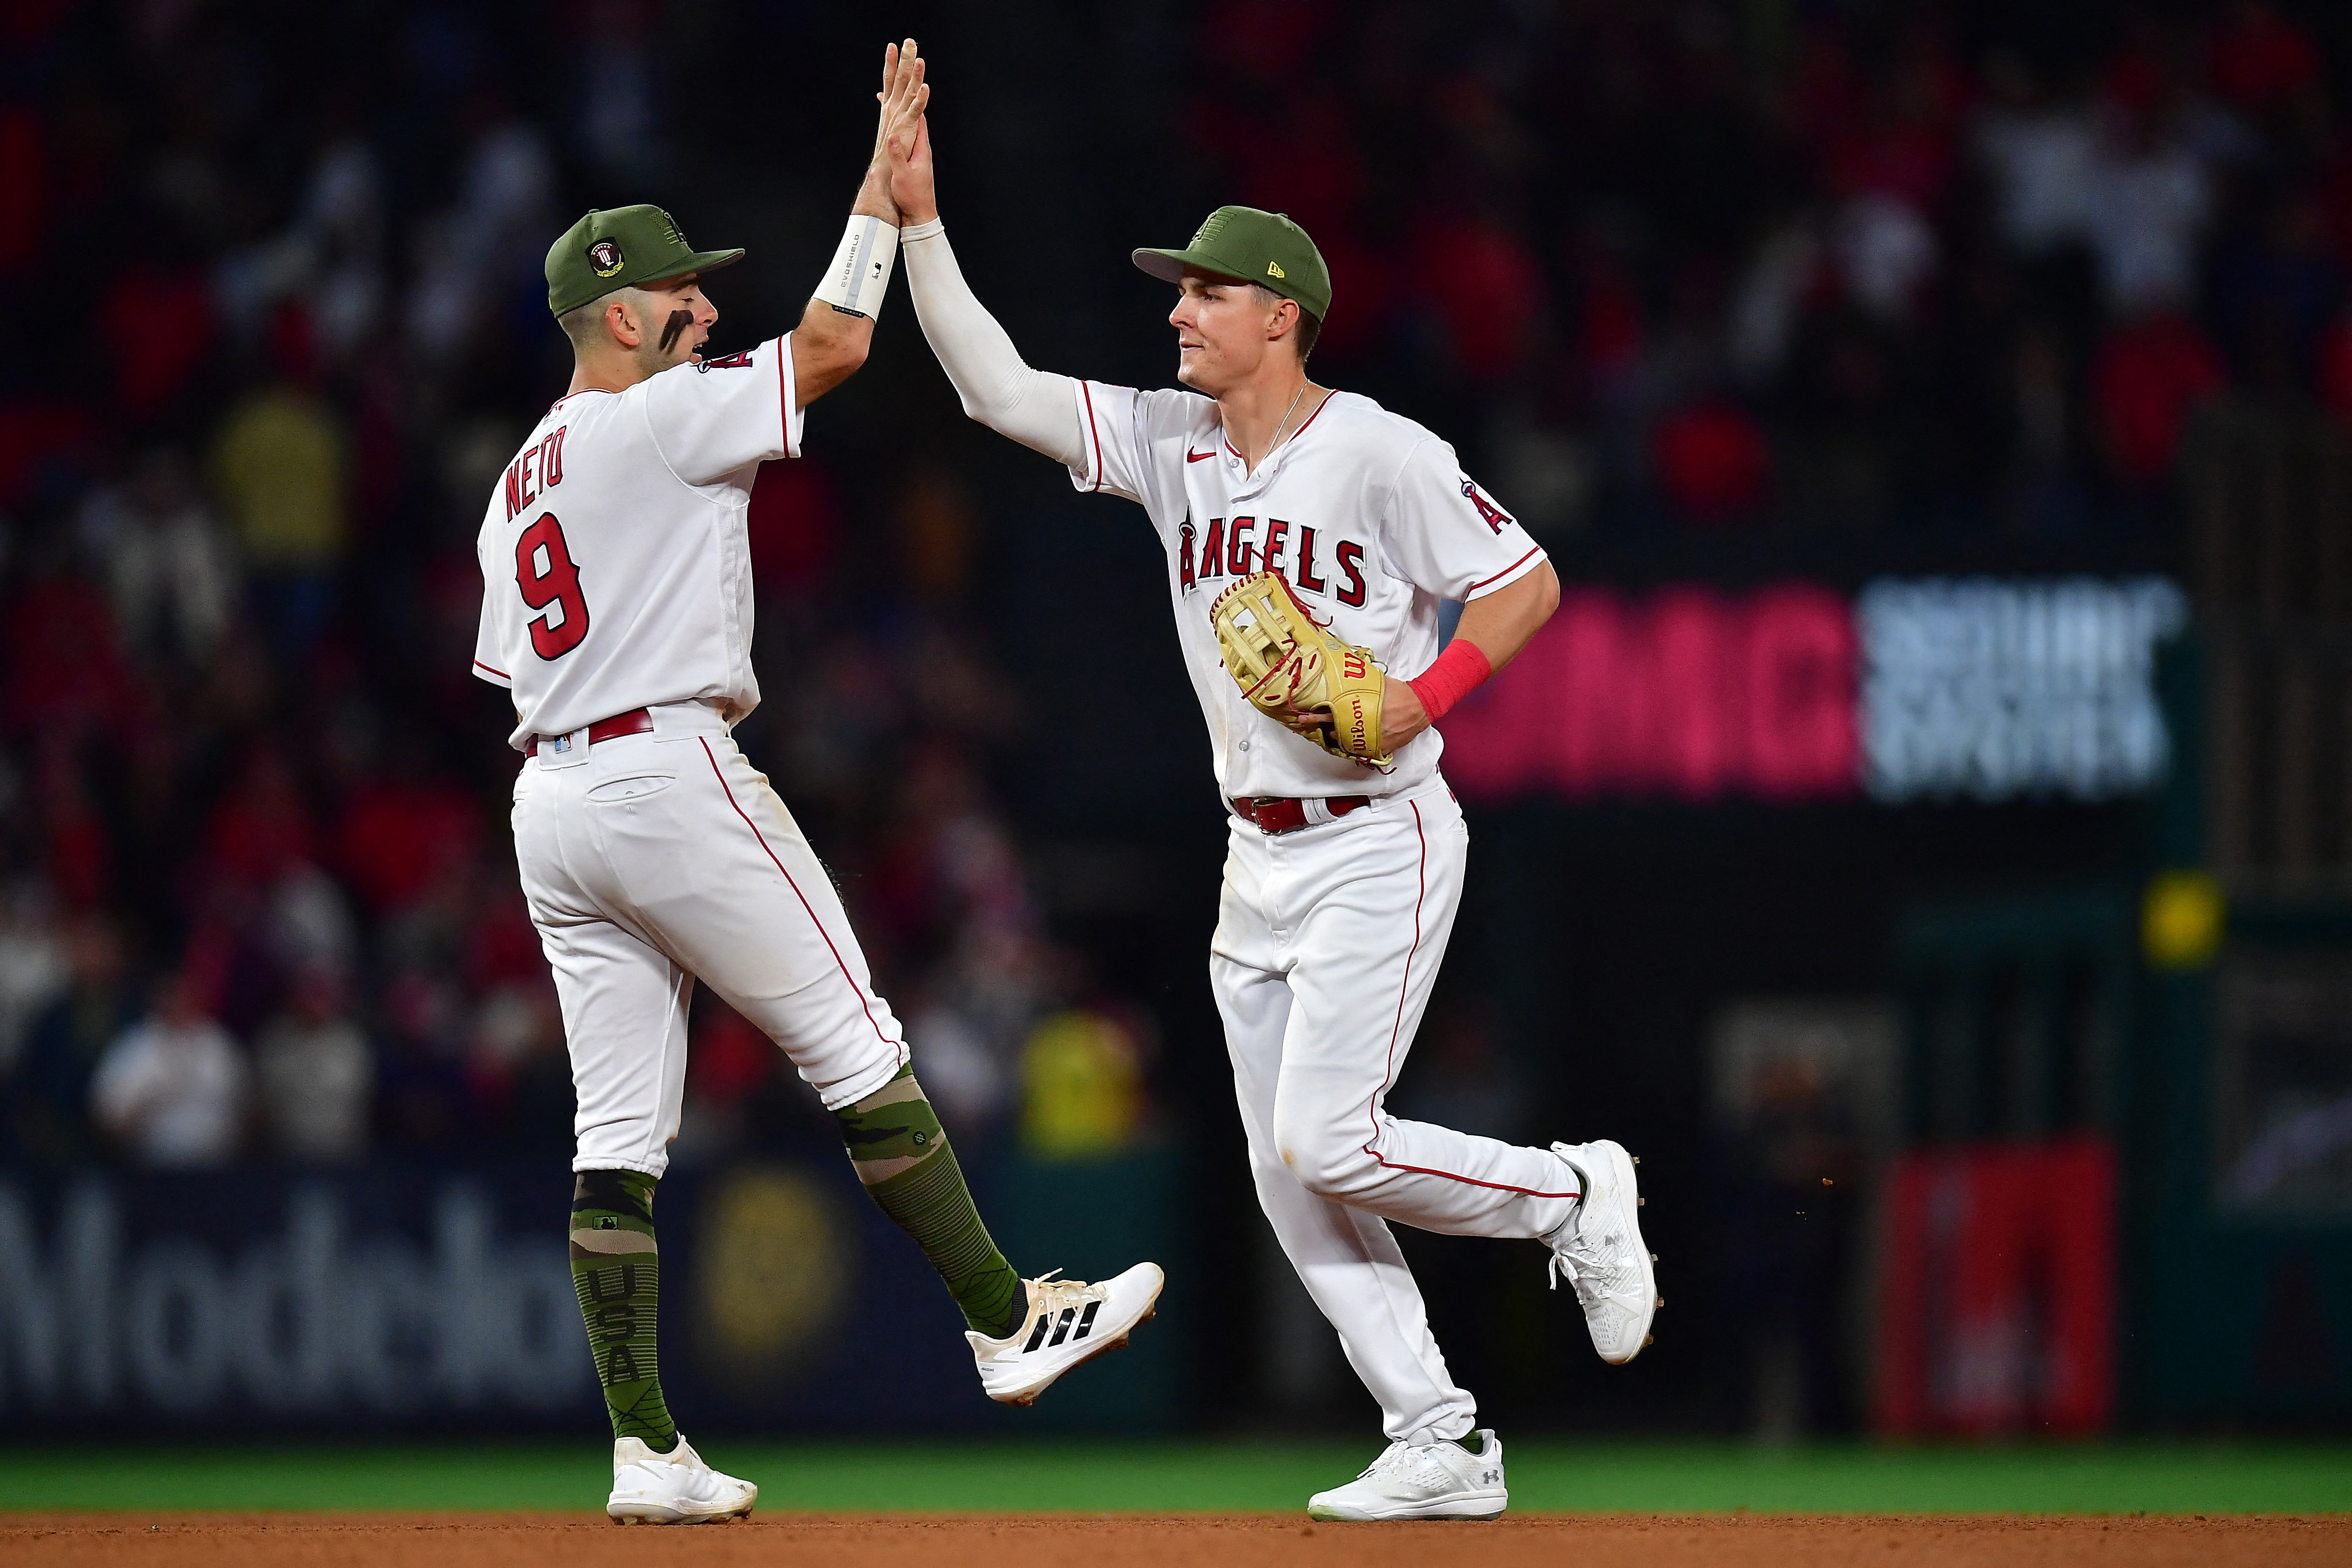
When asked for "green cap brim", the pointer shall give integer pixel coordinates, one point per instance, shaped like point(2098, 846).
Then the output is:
point(697, 261)
point(703, 261)
point(1169, 266)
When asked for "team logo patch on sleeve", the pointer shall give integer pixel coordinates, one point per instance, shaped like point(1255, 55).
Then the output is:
point(1496, 518)
point(605, 258)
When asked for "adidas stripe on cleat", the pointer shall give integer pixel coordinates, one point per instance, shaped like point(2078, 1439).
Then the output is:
point(1069, 1322)
point(675, 1488)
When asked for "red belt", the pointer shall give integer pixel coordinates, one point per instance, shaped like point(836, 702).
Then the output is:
point(1279, 814)
point(636, 722)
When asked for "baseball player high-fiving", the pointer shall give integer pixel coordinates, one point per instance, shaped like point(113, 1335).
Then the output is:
point(617, 609)
point(1310, 539)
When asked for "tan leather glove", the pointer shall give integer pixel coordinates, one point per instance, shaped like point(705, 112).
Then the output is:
point(1296, 672)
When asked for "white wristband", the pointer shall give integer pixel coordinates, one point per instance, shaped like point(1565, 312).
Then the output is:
point(914, 231)
point(860, 273)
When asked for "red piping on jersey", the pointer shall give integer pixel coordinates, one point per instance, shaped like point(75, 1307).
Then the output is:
point(1294, 434)
point(796, 887)
point(501, 674)
point(1397, 1029)
point(582, 392)
point(1506, 571)
point(1312, 418)
point(1087, 393)
point(784, 393)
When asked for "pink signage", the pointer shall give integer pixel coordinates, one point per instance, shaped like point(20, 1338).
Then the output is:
point(1689, 693)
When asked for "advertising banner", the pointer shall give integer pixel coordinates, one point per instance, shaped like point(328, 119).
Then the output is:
point(1928, 689)
point(396, 1298)
point(1998, 1304)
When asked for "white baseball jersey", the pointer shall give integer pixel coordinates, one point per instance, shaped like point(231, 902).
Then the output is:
point(616, 570)
point(1368, 515)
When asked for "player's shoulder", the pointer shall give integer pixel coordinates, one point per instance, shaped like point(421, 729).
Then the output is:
point(1365, 417)
point(1165, 410)
point(586, 407)
point(1378, 434)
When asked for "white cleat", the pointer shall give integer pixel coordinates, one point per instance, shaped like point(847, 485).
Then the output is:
point(1441, 1479)
point(675, 1488)
point(1600, 1251)
point(1069, 1321)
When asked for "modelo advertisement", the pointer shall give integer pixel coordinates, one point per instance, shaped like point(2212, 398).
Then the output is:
point(401, 1300)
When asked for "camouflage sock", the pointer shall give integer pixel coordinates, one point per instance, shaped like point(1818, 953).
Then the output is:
point(617, 1272)
point(903, 1158)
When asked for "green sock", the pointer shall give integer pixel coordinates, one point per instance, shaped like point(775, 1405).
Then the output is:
point(617, 1272)
point(903, 1158)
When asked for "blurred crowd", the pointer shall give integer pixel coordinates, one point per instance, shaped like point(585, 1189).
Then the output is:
point(1725, 266)
point(1961, 269)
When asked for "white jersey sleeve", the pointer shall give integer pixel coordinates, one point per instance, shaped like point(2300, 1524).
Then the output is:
point(489, 656)
point(1132, 443)
point(1446, 534)
point(714, 417)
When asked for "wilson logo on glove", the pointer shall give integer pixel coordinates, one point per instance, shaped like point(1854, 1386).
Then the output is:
point(1293, 670)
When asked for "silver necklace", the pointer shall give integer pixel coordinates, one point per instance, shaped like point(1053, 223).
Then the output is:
point(1279, 437)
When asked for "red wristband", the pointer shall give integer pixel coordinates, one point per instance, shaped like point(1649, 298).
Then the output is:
point(1459, 671)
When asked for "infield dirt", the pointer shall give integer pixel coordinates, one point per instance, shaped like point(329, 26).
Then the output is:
point(566, 1540)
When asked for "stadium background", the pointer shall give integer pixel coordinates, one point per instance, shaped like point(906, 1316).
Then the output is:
point(1729, 301)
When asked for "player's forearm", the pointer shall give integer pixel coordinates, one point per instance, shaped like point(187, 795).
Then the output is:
point(1036, 408)
point(838, 328)
point(1501, 623)
point(828, 347)
point(1490, 634)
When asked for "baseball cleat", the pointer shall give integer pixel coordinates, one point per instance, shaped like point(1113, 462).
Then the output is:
point(1599, 1249)
point(675, 1488)
point(1442, 1479)
point(1069, 1321)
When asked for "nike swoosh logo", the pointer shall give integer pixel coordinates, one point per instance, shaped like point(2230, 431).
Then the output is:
point(1192, 457)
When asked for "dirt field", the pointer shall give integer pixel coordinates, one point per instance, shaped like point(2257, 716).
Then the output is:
point(517, 1540)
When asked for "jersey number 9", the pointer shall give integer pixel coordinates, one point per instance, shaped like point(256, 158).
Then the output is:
point(552, 635)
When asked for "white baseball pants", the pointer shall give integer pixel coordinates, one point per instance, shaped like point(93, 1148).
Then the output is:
point(1329, 939)
point(650, 861)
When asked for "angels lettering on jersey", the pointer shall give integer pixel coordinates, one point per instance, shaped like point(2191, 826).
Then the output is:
point(1368, 515)
point(1230, 551)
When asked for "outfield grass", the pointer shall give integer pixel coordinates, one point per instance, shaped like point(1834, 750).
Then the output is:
point(1083, 1476)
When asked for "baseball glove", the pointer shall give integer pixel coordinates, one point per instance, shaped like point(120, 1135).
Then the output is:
point(1291, 668)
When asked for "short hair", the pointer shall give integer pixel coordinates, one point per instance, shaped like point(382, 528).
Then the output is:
point(1309, 328)
point(584, 325)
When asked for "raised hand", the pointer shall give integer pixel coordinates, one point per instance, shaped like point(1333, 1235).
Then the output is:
point(911, 174)
point(903, 93)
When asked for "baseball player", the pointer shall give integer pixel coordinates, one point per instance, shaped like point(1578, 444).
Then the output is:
point(617, 609)
point(1310, 539)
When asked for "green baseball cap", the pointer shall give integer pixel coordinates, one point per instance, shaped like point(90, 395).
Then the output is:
point(1251, 247)
point(615, 249)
